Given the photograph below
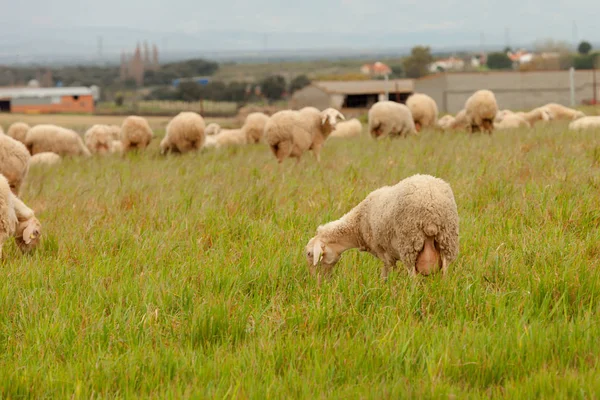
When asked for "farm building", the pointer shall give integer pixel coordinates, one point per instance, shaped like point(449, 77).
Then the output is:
point(514, 90)
point(351, 94)
point(48, 100)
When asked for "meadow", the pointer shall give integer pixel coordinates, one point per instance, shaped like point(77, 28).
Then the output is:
point(184, 276)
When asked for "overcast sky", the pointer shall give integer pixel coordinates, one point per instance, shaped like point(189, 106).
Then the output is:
point(244, 23)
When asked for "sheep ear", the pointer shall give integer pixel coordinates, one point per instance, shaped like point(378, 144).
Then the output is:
point(324, 118)
point(341, 116)
point(30, 233)
point(317, 253)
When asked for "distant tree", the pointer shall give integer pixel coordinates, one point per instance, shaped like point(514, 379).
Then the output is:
point(273, 87)
point(507, 49)
point(189, 91)
point(584, 48)
point(586, 61)
point(415, 65)
point(498, 61)
point(397, 71)
point(299, 82)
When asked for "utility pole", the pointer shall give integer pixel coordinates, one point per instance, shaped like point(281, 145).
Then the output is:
point(575, 34)
point(100, 49)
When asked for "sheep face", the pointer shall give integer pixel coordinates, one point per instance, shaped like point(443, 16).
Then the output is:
point(329, 119)
point(321, 257)
point(28, 234)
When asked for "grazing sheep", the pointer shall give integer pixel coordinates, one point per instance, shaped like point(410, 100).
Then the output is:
point(117, 147)
point(212, 129)
point(185, 133)
point(99, 139)
point(414, 221)
point(46, 158)
point(230, 137)
point(347, 129)
point(585, 123)
point(560, 112)
point(533, 116)
point(424, 110)
point(445, 122)
point(388, 118)
point(292, 133)
point(135, 133)
point(14, 162)
point(62, 141)
point(481, 109)
point(16, 219)
point(18, 131)
point(511, 121)
point(254, 127)
point(501, 114)
point(460, 121)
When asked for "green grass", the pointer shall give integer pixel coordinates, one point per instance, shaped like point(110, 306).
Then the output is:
point(185, 277)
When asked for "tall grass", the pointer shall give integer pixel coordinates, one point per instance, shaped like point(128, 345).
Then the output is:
point(184, 276)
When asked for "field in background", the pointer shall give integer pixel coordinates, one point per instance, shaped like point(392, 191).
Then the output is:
point(185, 276)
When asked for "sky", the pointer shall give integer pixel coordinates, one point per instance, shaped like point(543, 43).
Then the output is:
point(37, 26)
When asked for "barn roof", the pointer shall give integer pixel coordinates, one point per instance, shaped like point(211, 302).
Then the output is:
point(366, 87)
point(24, 92)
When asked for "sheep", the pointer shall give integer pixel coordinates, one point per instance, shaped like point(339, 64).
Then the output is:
point(185, 133)
point(230, 137)
point(135, 133)
point(99, 139)
point(536, 115)
point(414, 221)
point(254, 127)
point(115, 132)
point(388, 118)
point(291, 133)
point(445, 122)
point(501, 114)
point(18, 131)
point(347, 129)
point(424, 110)
point(117, 147)
point(17, 220)
point(585, 123)
point(511, 121)
point(481, 109)
point(46, 158)
point(460, 120)
point(62, 141)
point(560, 112)
point(212, 129)
point(14, 162)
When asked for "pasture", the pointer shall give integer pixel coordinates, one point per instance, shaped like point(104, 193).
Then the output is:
point(185, 277)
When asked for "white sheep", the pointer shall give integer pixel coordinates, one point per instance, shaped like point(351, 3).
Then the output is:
point(445, 123)
point(585, 123)
point(99, 139)
point(115, 132)
point(17, 220)
point(212, 129)
point(414, 221)
point(14, 162)
point(481, 109)
point(47, 158)
point(292, 133)
point(511, 121)
point(62, 141)
point(536, 115)
point(560, 112)
point(254, 127)
point(18, 131)
point(347, 129)
point(185, 133)
point(135, 133)
point(230, 137)
point(388, 118)
point(424, 110)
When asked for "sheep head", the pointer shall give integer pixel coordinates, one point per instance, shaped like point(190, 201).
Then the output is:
point(329, 119)
point(28, 234)
point(321, 257)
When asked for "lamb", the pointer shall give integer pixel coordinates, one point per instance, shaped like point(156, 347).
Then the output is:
point(18, 131)
point(388, 118)
point(185, 133)
point(99, 139)
point(135, 133)
point(16, 219)
point(560, 112)
point(14, 162)
point(585, 123)
point(481, 109)
point(254, 127)
point(347, 129)
point(292, 133)
point(46, 158)
point(212, 129)
point(424, 110)
point(414, 221)
point(62, 141)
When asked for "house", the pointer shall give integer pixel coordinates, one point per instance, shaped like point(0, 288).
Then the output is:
point(447, 64)
point(376, 69)
point(351, 94)
point(48, 100)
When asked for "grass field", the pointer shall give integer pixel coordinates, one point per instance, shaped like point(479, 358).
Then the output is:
point(185, 277)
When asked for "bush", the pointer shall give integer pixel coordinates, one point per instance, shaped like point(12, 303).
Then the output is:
point(299, 82)
point(273, 87)
point(499, 61)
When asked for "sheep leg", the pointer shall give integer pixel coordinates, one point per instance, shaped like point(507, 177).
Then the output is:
point(418, 126)
point(385, 272)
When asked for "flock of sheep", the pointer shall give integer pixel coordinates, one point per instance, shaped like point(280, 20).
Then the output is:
point(415, 221)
